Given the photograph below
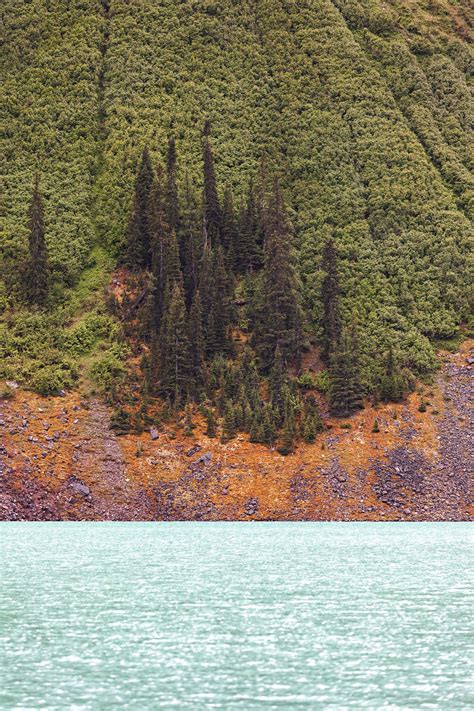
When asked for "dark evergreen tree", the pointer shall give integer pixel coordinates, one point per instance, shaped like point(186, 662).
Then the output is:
point(346, 392)
point(175, 358)
point(120, 422)
point(269, 424)
point(261, 197)
point(229, 427)
point(215, 288)
point(191, 241)
point(37, 274)
point(159, 235)
point(222, 303)
point(229, 234)
point(172, 204)
point(312, 423)
point(248, 252)
point(138, 249)
point(249, 379)
point(211, 430)
point(247, 417)
point(196, 342)
point(172, 262)
point(188, 420)
point(287, 438)
point(256, 434)
point(393, 385)
point(212, 222)
point(279, 320)
point(238, 416)
point(330, 293)
point(276, 381)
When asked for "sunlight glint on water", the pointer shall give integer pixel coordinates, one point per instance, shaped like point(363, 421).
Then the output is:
point(236, 615)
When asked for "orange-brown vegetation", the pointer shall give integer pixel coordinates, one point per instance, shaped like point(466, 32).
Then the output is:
point(61, 461)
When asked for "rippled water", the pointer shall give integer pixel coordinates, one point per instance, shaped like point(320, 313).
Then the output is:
point(236, 616)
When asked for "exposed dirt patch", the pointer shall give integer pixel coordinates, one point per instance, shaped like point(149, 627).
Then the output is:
point(60, 460)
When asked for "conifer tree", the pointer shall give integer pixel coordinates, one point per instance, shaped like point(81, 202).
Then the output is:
point(276, 381)
point(330, 293)
point(37, 274)
point(215, 288)
point(229, 236)
point(138, 251)
point(249, 375)
point(188, 420)
point(223, 290)
point(172, 205)
point(238, 416)
point(211, 430)
point(287, 438)
point(280, 318)
point(159, 235)
point(247, 417)
point(166, 264)
point(261, 192)
point(229, 424)
point(256, 434)
point(175, 359)
point(269, 424)
point(172, 264)
point(248, 254)
point(312, 422)
point(212, 210)
point(392, 385)
point(346, 392)
point(196, 341)
point(190, 243)
point(206, 284)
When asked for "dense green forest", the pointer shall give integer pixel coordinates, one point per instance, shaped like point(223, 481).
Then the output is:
point(287, 184)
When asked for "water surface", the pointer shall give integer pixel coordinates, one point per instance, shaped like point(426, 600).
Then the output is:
point(236, 616)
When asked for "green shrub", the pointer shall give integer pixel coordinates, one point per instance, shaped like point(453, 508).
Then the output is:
point(107, 372)
point(51, 379)
point(7, 393)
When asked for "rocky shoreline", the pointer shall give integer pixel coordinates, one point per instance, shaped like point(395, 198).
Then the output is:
point(61, 461)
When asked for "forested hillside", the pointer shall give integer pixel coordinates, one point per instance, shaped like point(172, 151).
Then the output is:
point(246, 206)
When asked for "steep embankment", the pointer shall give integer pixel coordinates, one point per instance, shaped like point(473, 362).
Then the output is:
point(363, 108)
point(61, 461)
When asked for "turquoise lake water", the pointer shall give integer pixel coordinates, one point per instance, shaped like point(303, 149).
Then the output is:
point(237, 616)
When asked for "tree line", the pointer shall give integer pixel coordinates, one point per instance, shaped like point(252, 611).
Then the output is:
point(191, 254)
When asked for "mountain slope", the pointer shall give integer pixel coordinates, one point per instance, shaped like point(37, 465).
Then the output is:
point(362, 108)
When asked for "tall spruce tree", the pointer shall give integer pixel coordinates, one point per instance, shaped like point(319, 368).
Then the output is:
point(249, 254)
point(330, 292)
point(346, 391)
point(277, 380)
point(229, 233)
point(172, 204)
point(288, 432)
point(160, 236)
point(196, 342)
point(175, 357)
point(138, 248)
point(191, 241)
point(166, 263)
point(212, 217)
point(393, 385)
point(221, 306)
point(312, 423)
point(279, 320)
point(37, 274)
